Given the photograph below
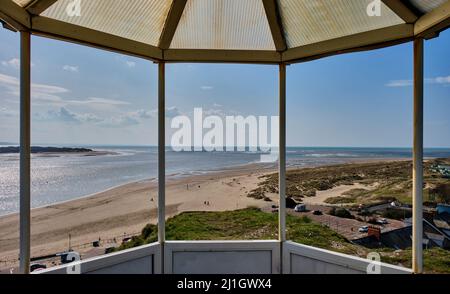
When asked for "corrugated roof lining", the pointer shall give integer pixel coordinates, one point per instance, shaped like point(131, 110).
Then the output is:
point(138, 20)
point(312, 21)
point(223, 24)
point(238, 24)
point(426, 6)
point(23, 3)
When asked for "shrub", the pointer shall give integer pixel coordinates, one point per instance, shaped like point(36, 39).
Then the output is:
point(341, 212)
point(397, 214)
point(148, 230)
point(290, 203)
point(372, 220)
point(305, 219)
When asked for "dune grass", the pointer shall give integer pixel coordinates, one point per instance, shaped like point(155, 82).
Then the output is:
point(254, 224)
point(435, 260)
point(393, 182)
point(245, 224)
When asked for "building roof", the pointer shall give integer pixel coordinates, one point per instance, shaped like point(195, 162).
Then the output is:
point(262, 31)
point(402, 238)
point(442, 220)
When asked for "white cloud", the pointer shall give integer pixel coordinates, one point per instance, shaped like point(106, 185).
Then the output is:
point(172, 112)
point(61, 115)
point(38, 91)
point(217, 105)
point(49, 94)
point(5, 112)
point(409, 83)
point(219, 111)
point(400, 83)
point(71, 68)
point(119, 121)
point(64, 115)
point(98, 101)
point(13, 63)
point(438, 80)
point(146, 114)
point(130, 63)
point(206, 88)
point(9, 80)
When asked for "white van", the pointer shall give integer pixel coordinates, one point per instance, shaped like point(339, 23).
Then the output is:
point(300, 208)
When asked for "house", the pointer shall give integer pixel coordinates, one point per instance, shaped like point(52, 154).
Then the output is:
point(402, 238)
point(443, 208)
point(442, 222)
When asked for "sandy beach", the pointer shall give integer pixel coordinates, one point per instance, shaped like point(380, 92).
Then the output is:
point(125, 210)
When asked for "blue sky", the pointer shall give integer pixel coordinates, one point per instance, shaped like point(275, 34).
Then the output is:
point(83, 95)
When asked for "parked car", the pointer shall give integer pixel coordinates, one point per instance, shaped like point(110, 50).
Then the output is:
point(300, 208)
point(363, 229)
point(317, 212)
point(37, 267)
point(110, 250)
point(69, 257)
point(382, 221)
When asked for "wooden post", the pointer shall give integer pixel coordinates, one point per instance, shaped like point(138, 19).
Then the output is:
point(282, 163)
point(418, 158)
point(25, 150)
point(162, 159)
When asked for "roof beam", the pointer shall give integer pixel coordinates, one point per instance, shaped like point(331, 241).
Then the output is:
point(225, 56)
point(14, 15)
point(358, 42)
point(48, 27)
point(276, 27)
point(38, 6)
point(402, 10)
point(172, 21)
point(437, 20)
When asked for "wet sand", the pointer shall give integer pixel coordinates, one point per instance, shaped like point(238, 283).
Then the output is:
point(125, 210)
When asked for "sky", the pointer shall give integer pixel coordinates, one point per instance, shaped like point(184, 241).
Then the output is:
point(87, 96)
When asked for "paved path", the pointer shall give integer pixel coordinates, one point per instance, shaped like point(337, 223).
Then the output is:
point(343, 226)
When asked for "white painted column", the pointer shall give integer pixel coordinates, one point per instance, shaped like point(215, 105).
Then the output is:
point(418, 157)
point(161, 152)
point(25, 150)
point(162, 159)
point(282, 156)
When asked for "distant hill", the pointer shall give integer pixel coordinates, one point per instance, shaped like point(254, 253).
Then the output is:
point(37, 149)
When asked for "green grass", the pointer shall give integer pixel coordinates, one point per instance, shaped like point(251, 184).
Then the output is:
point(435, 260)
point(340, 200)
point(245, 224)
point(254, 224)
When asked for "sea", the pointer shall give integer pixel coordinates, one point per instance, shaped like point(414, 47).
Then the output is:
point(65, 177)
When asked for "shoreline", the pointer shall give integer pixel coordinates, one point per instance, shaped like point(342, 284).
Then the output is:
point(179, 177)
point(169, 179)
point(125, 209)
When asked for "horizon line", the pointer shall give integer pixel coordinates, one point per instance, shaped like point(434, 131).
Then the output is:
point(168, 146)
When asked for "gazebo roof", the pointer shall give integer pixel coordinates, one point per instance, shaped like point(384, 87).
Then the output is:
point(254, 31)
